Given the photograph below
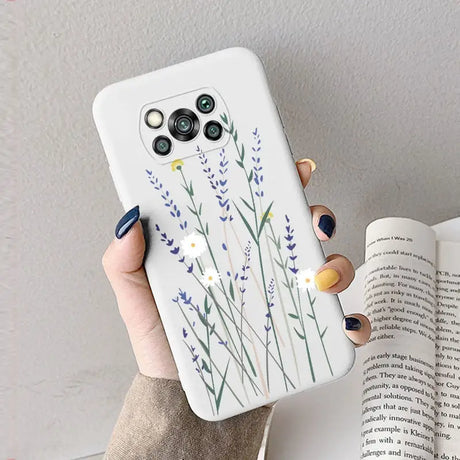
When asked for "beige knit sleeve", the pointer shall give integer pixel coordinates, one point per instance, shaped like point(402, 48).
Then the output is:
point(157, 423)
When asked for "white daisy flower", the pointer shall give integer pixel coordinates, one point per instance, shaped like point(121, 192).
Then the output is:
point(193, 245)
point(210, 277)
point(306, 279)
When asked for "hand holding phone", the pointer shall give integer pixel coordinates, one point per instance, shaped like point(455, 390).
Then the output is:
point(233, 254)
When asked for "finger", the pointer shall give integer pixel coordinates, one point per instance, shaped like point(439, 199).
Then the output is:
point(335, 275)
point(323, 222)
point(305, 167)
point(122, 263)
point(357, 328)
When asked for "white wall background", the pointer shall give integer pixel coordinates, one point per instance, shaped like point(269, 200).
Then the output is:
point(366, 88)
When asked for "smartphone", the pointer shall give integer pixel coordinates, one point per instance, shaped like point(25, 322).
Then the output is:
point(232, 255)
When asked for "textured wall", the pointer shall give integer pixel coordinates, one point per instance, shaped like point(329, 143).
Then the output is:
point(366, 88)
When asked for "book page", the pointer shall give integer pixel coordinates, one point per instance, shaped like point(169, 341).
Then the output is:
point(398, 406)
point(447, 440)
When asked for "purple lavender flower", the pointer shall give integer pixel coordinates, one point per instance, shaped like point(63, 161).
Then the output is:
point(169, 242)
point(289, 237)
point(257, 165)
point(168, 201)
point(218, 185)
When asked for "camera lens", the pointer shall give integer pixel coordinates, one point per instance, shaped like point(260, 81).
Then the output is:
point(162, 145)
point(213, 130)
point(205, 103)
point(183, 125)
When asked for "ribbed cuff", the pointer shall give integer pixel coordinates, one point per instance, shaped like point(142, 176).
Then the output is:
point(156, 422)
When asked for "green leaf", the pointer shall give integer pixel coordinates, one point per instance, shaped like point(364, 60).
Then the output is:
point(207, 229)
point(242, 152)
point(312, 301)
point(191, 210)
point(239, 163)
point(311, 316)
point(281, 266)
point(293, 316)
point(191, 189)
point(209, 387)
point(322, 333)
point(232, 292)
point(202, 319)
point(203, 345)
point(207, 307)
point(247, 204)
point(235, 135)
point(224, 118)
point(284, 282)
point(250, 362)
point(212, 329)
point(251, 232)
point(231, 128)
point(292, 283)
point(221, 389)
point(264, 218)
point(251, 175)
point(199, 209)
point(205, 366)
point(199, 230)
point(299, 334)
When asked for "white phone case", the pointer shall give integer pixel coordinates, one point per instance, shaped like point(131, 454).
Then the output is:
point(232, 253)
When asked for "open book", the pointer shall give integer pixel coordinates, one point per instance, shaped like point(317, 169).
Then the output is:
point(411, 366)
point(402, 399)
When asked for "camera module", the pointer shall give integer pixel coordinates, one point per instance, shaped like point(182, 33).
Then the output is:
point(183, 125)
point(162, 145)
point(213, 130)
point(205, 103)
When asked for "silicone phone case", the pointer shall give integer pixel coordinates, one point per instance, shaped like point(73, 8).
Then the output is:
point(232, 252)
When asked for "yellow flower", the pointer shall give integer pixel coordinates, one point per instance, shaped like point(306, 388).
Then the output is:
point(176, 164)
point(270, 216)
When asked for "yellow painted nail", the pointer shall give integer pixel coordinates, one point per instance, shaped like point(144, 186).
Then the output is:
point(307, 160)
point(326, 279)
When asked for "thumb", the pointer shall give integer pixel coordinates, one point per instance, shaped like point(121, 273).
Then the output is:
point(123, 265)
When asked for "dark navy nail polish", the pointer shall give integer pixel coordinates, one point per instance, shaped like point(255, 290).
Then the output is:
point(352, 324)
point(326, 224)
point(126, 222)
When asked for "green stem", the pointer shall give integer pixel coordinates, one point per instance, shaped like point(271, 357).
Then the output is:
point(219, 337)
point(204, 380)
point(203, 231)
point(215, 366)
point(256, 224)
point(210, 366)
point(298, 309)
point(319, 332)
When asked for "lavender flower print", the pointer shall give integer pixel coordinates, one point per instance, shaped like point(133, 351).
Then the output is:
point(237, 352)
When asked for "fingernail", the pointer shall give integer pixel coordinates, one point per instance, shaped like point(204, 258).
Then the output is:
point(326, 279)
point(352, 324)
point(126, 222)
point(307, 160)
point(326, 224)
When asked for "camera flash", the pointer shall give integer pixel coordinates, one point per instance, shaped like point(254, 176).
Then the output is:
point(154, 118)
